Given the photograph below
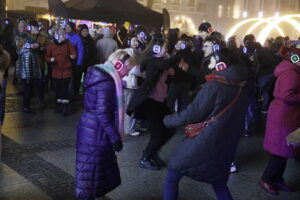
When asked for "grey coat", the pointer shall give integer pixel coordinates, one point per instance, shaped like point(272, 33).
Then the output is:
point(208, 156)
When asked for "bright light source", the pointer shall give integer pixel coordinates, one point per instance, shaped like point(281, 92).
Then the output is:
point(277, 14)
point(176, 18)
point(260, 14)
point(245, 14)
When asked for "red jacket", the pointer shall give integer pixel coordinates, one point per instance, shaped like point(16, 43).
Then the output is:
point(284, 111)
point(62, 66)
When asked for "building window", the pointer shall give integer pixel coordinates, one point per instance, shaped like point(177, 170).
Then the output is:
point(220, 11)
point(229, 11)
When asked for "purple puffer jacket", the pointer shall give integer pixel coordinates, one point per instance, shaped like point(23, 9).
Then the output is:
point(284, 111)
point(97, 171)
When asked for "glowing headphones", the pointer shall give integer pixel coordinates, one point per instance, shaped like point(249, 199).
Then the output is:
point(119, 65)
point(245, 50)
point(56, 36)
point(220, 66)
point(142, 34)
point(156, 48)
point(216, 49)
point(28, 27)
point(295, 58)
point(209, 30)
point(27, 45)
point(180, 46)
point(6, 21)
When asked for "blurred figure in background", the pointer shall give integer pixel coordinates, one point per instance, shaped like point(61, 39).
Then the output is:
point(106, 46)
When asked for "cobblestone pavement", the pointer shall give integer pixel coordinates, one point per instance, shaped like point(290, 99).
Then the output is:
point(38, 161)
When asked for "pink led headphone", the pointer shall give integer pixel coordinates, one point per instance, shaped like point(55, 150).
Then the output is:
point(119, 65)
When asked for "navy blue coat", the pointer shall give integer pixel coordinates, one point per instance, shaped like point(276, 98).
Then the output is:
point(207, 157)
point(97, 171)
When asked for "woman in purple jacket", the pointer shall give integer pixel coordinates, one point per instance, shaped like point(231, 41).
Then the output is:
point(283, 118)
point(100, 129)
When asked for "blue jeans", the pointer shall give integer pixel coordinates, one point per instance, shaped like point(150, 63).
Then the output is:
point(171, 188)
point(266, 84)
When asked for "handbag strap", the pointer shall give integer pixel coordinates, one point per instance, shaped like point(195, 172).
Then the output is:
point(214, 118)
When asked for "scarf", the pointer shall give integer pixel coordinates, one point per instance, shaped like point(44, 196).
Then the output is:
point(110, 69)
point(222, 79)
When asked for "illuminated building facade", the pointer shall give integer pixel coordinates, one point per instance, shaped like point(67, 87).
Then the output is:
point(222, 14)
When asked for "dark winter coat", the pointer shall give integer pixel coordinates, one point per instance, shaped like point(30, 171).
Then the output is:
point(182, 77)
point(97, 171)
point(284, 111)
point(207, 157)
point(90, 52)
point(154, 68)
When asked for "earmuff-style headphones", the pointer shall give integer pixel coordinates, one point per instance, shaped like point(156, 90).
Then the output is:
point(295, 58)
point(142, 34)
point(180, 46)
point(216, 49)
point(210, 30)
point(216, 53)
point(56, 36)
point(27, 45)
point(156, 48)
point(28, 28)
point(119, 65)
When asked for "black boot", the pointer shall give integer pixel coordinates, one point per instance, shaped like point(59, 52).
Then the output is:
point(148, 163)
point(159, 161)
point(65, 111)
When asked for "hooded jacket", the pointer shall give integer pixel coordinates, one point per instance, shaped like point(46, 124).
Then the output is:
point(106, 46)
point(207, 157)
point(284, 111)
point(97, 171)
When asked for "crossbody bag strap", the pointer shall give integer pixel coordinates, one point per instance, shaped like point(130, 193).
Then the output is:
point(214, 118)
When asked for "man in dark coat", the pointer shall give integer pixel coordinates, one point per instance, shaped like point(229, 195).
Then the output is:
point(208, 156)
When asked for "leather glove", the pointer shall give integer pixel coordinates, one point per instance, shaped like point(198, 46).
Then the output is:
point(118, 146)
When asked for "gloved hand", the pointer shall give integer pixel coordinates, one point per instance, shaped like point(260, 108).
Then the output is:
point(118, 146)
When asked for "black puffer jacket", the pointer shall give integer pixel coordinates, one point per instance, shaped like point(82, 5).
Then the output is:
point(208, 156)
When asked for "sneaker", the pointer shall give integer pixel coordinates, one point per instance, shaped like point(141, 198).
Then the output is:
point(271, 189)
point(233, 168)
point(136, 133)
point(149, 164)
point(284, 187)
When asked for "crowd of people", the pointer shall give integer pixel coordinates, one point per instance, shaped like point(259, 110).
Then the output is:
point(154, 81)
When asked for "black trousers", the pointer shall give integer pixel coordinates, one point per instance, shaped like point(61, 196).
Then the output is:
point(61, 88)
point(77, 75)
point(274, 170)
point(159, 134)
point(28, 88)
